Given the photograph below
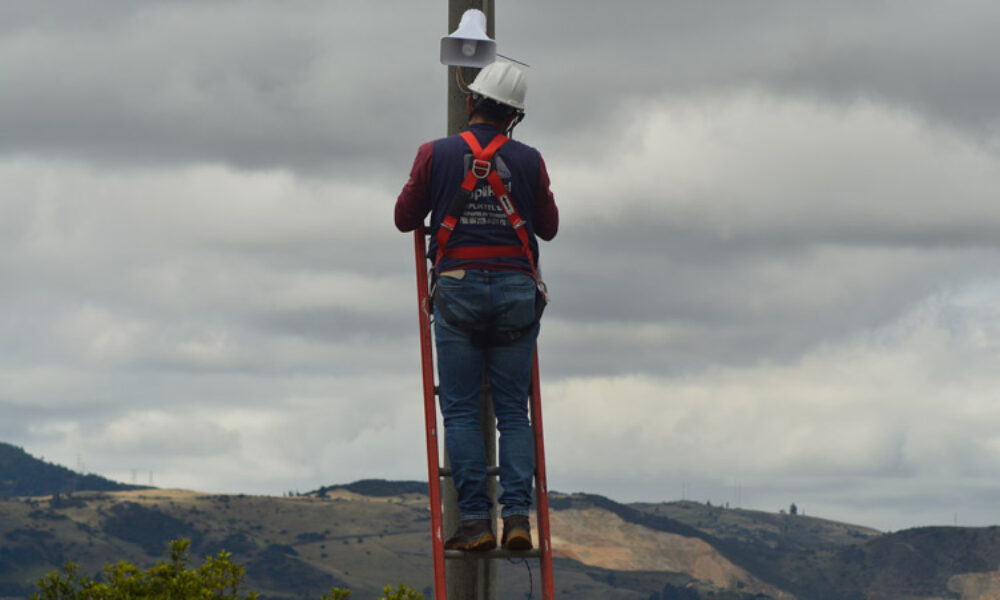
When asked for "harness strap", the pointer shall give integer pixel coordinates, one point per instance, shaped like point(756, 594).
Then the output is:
point(482, 168)
point(473, 252)
point(515, 219)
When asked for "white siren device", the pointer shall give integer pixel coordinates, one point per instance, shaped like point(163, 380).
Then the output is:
point(469, 46)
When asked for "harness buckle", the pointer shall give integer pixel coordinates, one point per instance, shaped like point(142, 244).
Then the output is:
point(480, 168)
point(505, 203)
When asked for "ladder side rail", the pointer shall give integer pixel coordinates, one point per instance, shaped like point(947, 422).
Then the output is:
point(430, 414)
point(541, 485)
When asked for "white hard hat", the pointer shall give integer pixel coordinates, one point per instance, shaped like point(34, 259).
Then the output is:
point(503, 81)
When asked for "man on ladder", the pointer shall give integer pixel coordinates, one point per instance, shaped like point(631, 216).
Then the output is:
point(488, 198)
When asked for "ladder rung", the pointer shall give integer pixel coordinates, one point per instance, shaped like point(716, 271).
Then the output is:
point(490, 472)
point(492, 554)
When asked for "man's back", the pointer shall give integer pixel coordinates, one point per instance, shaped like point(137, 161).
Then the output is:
point(437, 173)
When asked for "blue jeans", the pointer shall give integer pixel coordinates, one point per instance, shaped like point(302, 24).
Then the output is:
point(507, 300)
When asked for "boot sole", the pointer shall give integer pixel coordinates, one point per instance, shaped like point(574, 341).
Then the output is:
point(487, 541)
point(517, 540)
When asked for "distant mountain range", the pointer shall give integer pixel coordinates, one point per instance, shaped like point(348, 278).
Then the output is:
point(367, 534)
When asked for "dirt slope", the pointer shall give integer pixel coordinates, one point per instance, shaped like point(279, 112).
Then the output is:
point(598, 538)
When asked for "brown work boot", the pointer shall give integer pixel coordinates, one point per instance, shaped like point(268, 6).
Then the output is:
point(516, 533)
point(473, 535)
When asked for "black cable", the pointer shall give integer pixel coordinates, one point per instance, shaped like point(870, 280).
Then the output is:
point(531, 583)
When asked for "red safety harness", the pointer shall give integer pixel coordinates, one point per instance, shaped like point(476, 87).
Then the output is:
point(483, 168)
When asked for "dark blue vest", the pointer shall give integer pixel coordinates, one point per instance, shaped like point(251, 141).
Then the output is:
point(483, 223)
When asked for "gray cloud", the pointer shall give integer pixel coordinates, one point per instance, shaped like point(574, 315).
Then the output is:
point(915, 55)
point(251, 84)
point(684, 251)
point(332, 87)
point(773, 215)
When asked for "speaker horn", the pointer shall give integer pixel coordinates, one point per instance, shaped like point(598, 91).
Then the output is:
point(469, 46)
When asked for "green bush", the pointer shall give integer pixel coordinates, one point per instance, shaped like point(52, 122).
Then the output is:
point(218, 578)
point(403, 593)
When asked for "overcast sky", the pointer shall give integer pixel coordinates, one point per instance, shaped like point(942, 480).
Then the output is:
point(776, 279)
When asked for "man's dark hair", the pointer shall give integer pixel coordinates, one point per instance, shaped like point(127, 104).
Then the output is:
point(491, 110)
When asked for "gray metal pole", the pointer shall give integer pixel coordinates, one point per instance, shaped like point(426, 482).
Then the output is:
point(469, 579)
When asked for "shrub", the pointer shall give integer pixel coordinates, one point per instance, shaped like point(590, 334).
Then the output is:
point(403, 593)
point(217, 578)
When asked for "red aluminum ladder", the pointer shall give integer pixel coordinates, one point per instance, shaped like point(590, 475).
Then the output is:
point(434, 471)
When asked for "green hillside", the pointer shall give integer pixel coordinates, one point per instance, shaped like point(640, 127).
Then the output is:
point(298, 547)
point(371, 533)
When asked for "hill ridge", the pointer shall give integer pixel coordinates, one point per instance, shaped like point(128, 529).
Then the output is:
point(373, 530)
point(22, 474)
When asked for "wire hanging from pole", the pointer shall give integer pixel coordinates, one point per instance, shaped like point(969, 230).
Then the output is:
point(531, 582)
point(460, 81)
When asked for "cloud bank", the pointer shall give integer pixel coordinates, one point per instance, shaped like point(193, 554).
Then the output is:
point(775, 279)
